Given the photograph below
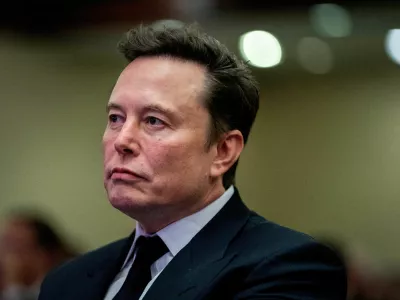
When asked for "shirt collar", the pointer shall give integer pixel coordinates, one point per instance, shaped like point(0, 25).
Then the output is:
point(178, 234)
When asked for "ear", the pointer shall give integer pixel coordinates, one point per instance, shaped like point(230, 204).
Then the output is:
point(227, 153)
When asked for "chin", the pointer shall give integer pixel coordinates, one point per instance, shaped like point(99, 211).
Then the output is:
point(127, 202)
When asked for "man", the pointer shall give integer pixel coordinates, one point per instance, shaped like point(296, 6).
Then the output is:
point(178, 118)
point(29, 248)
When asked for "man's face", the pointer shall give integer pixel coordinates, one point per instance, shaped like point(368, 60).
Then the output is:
point(155, 157)
point(17, 237)
point(18, 244)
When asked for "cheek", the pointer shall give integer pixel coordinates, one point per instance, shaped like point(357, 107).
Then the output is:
point(178, 158)
point(108, 147)
point(162, 157)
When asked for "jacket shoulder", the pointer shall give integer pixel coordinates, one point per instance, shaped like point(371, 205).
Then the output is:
point(270, 235)
point(288, 263)
point(80, 266)
point(90, 259)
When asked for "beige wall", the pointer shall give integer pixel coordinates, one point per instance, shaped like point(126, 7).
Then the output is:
point(324, 155)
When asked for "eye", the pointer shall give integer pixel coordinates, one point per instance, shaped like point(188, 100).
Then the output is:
point(153, 121)
point(113, 118)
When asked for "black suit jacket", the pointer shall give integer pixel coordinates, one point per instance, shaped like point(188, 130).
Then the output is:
point(237, 255)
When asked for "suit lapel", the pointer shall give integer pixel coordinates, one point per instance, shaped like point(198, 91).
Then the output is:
point(204, 257)
point(100, 277)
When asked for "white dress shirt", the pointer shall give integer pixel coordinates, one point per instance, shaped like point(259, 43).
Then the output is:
point(175, 236)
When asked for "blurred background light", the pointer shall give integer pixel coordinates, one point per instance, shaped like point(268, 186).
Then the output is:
point(315, 55)
point(260, 48)
point(392, 45)
point(331, 20)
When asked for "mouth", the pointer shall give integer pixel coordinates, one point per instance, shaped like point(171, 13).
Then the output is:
point(124, 175)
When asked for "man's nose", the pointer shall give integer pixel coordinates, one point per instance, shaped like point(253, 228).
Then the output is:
point(127, 140)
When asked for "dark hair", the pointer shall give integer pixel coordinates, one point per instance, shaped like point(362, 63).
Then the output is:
point(232, 98)
point(46, 236)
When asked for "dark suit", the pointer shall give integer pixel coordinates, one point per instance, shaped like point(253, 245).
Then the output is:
point(237, 255)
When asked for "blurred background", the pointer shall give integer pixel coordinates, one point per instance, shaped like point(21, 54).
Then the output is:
point(324, 154)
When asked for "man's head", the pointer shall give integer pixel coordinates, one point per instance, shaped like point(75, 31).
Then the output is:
point(29, 248)
point(179, 116)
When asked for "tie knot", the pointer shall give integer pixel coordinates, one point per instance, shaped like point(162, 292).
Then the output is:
point(150, 249)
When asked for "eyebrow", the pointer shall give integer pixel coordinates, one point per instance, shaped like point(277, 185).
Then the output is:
point(112, 105)
point(160, 109)
point(147, 108)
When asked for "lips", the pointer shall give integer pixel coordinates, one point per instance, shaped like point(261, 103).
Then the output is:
point(124, 174)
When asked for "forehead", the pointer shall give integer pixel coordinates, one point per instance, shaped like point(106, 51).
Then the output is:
point(17, 228)
point(168, 80)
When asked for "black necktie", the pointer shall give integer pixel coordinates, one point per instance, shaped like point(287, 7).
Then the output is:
point(148, 250)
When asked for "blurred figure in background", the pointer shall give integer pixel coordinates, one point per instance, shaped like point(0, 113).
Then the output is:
point(393, 289)
point(367, 277)
point(29, 248)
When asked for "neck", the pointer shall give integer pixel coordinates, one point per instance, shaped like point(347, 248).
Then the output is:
point(157, 220)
